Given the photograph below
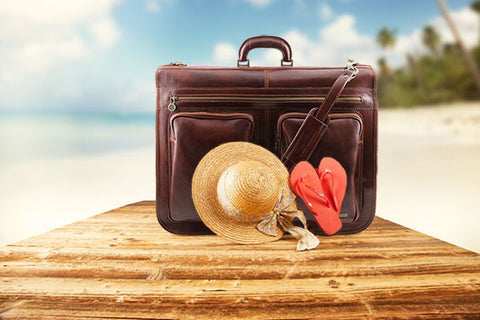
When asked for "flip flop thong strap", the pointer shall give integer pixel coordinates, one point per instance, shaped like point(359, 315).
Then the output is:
point(304, 197)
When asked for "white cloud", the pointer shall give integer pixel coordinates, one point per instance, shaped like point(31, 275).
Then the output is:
point(141, 98)
point(325, 12)
point(105, 32)
point(38, 37)
point(466, 20)
point(334, 45)
point(340, 40)
point(260, 3)
point(336, 42)
point(224, 53)
point(154, 5)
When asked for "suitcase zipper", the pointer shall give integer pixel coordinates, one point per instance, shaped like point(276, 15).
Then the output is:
point(172, 106)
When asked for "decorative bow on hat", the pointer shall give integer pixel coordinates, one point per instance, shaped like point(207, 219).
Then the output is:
point(282, 217)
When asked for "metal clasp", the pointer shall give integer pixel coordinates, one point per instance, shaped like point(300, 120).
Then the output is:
point(178, 64)
point(351, 66)
point(243, 63)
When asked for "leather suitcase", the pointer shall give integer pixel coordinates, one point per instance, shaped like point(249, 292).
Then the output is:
point(201, 107)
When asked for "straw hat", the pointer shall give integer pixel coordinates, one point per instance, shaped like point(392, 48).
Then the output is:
point(235, 186)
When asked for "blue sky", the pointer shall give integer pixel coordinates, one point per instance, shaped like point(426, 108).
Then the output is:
point(197, 25)
point(101, 55)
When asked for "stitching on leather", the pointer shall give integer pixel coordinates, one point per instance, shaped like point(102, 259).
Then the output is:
point(344, 83)
point(360, 174)
point(272, 95)
point(342, 87)
point(344, 109)
point(366, 67)
point(374, 115)
point(317, 138)
point(293, 143)
point(264, 101)
point(367, 89)
point(336, 108)
point(337, 115)
point(170, 130)
point(248, 101)
point(299, 115)
point(362, 120)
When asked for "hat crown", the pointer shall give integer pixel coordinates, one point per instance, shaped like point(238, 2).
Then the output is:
point(252, 187)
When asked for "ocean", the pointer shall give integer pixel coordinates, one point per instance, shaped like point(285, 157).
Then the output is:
point(26, 137)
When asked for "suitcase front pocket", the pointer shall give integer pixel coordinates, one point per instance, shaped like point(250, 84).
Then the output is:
point(192, 135)
point(343, 142)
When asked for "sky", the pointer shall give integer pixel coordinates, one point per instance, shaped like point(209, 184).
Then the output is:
point(101, 55)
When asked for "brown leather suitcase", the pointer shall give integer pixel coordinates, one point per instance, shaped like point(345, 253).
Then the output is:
point(199, 108)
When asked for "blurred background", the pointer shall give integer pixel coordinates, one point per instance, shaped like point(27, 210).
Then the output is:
point(77, 98)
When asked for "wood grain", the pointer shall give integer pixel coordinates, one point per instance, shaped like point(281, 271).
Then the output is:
point(122, 264)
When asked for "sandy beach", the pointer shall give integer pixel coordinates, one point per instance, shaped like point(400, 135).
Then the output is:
point(40, 196)
point(428, 179)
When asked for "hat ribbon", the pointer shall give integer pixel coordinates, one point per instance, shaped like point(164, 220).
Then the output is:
point(282, 217)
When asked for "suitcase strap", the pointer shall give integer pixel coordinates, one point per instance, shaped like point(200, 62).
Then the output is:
point(315, 124)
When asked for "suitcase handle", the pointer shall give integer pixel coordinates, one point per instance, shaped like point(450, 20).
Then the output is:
point(264, 42)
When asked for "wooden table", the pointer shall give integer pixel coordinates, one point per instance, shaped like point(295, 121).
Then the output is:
point(122, 264)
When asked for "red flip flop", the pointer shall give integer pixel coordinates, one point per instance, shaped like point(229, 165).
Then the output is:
point(306, 184)
point(334, 181)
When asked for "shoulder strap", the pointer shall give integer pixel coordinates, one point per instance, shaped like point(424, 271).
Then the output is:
point(316, 122)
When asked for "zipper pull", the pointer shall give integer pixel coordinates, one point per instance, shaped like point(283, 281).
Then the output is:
point(172, 106)
point(178, 64)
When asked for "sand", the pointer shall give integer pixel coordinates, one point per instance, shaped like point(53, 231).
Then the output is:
point(428, 179)
point(37, 197)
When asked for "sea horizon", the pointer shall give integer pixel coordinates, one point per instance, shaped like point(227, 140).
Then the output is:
point(35, 135)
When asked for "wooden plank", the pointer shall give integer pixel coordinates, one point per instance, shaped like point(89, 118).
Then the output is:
point(304, 297)
point(121, 264)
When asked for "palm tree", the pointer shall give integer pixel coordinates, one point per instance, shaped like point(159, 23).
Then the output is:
point(466, 54)
point(386, 39)
point(431, 39)
point(449, 48)
point(415, 70)
point(382, 64)
point(475, 6)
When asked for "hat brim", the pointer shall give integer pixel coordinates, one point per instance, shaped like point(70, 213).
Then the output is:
point(204, 190)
